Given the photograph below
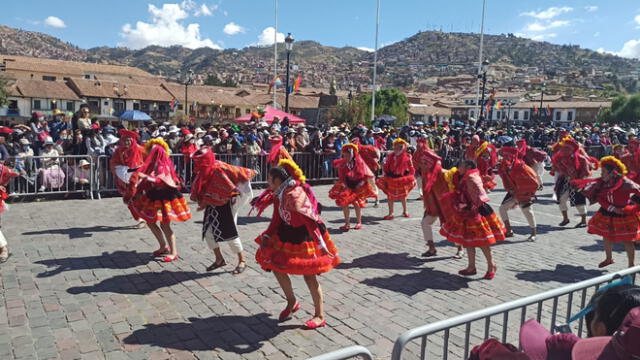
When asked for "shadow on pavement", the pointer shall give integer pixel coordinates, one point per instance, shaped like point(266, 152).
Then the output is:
point(542, 229)
point(401, 261)
point(414, 283)
point(78, 232)
point(114, 260)
point(246, 220)
point(563, 273)
point(236, 334)
point(140, 284)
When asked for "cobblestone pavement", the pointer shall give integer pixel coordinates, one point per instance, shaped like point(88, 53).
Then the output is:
point(81, 284)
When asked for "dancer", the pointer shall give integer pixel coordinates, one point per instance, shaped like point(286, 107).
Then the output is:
point(632, 160)
point(353, 186)
point(278, 151)
point(371, 156)
point(473, 223)
point(220, 189)
point(127, 158)
point(521, 182)
point(434, 186)
point(398, 179)
point(485, 156)
point(570, 163)
point(533, 157)
point(154, 196)
point(6, 174)
point(618, 219)
point(296, 241)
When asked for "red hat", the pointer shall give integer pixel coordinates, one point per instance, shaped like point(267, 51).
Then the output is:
point(509, 150)
point(185, 131)
point(623, 345)
point(571, 143)
point(5, 130)
point(124, 133)
point(95, 127)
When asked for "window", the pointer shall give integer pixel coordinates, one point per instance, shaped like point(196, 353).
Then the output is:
point(247, 111)
point(136, 106)
point(558, 115)
point(87, 76)
point(472, 113)
point(13, 104)
point(238, 112)
point(106, 103)
point(570, 116)
point(70, 106)
point(49, 78)
point(526, 115)
point(516, 115)
point(37, 105)
point(54, 104)
point(118, 106)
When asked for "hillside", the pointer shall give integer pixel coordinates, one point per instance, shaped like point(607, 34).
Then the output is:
point(402, 64)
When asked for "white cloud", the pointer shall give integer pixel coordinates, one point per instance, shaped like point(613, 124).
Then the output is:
point(205, 10)
point(233, 29)
point(166, 29)
point(548, 14)
point(537, 37)
point(591, 8)
point(364, 48)
point(55, 22)
point(537, 26)
point(225, 13)
point(630, 49)
point(267, 35)
point(637, 20)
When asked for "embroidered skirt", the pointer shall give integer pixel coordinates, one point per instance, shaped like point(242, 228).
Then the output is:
point(345, 196)
point(163, 205)
point(615, 227)
point(396, 188)
point(293, 251)
point(484, 229)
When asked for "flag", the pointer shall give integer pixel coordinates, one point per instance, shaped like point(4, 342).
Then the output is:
point(535, 110)
point(296, 84)
point(549, 110)
point(194, 105)
point(112, 111)
point(498, 105)
point(275, 82)
point(173, 104)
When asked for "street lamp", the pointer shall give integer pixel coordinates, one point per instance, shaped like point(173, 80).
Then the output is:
point(288, 43)
point(483, 76)
point(542, 89)
point(188, 81)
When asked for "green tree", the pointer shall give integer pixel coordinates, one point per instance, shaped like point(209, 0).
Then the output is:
point(4, 92)
point(213, 80)
point(628, 112)
point(349, 112)
point(388, 102)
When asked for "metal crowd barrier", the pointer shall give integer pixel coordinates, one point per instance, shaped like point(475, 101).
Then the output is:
point(44, 175)
point(481, 325)
point(346, 353)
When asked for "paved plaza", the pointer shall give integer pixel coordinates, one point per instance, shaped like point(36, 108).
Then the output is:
point(81, 284)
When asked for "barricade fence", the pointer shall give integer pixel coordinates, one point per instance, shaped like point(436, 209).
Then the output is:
point(455, 337)
point(350, 352)
point(42, 175)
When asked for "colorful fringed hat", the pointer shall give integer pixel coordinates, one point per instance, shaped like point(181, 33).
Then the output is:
point(350, 146)
point(157, 141)
point(293, 170)
point(400, 141)
point(612, 160)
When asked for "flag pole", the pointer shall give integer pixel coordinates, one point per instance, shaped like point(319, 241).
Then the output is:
point(275, 52)
point(484, 6)
point(375, 64)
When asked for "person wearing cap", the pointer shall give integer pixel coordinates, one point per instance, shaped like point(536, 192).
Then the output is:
point(473, 223)
point(353, 186)
point(278, 151)
point(618, 219)
point(521, 183)
point(398, 179)
point(302, 138)
point(82, 173)
point(51, 176)
point(220, 190)
point(187, 147)
point(570, 162)
point(434, 186)
point(6, 175)
point(297, 241)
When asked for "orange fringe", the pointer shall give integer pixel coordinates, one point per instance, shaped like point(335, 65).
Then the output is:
point(344, 196)
point(474, 232)
point(296, 259)
point(160, 210)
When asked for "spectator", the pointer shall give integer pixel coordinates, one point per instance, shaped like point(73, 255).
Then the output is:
point(301, 138)
point(51, 176)
point(95, 143)
point(82, 174)
point(83, 118)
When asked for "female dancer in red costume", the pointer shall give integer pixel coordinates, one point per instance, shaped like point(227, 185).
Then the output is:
point(473, 223)
point(154, 196)
point(618, 219)
point(353, 186)
point(485, 156)
point(127, 158)
point(6, 174)
point(398, 179)
point(296, 241)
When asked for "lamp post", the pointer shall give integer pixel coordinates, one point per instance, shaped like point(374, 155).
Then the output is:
point(188, 80)
point(509, 114)
point(483, 77)
point(288, 43)
point(542, 89)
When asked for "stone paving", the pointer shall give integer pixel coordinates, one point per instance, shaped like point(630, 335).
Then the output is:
point(81, 284)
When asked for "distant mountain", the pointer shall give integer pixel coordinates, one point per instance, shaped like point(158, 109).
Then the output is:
point(402, 64)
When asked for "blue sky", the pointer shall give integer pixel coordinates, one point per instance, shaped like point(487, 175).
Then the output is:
point(607, 25)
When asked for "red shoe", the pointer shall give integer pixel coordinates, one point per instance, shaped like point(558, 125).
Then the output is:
point(345, 228)
point(405, 214)
point(170, 258)
point(357, 227)
point(491, 274)
point(312, 325)
point(286, 313)
point(388, 217)
point(161, 251)
point(605, 263)
point(466, 272)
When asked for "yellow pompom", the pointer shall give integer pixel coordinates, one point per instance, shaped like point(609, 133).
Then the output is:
point(400, 141)
point(622, 168)
point(157, 141)
point(350, 146)
point(448, 177)
point(293, 170)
